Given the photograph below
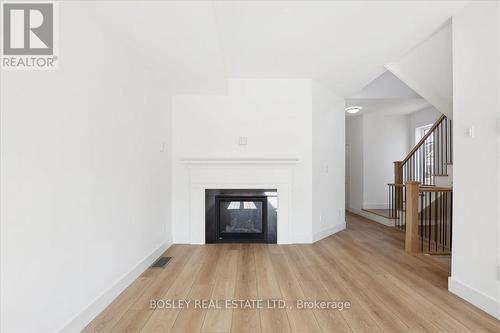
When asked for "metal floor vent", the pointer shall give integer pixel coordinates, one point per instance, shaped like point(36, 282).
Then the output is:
point(161, 262)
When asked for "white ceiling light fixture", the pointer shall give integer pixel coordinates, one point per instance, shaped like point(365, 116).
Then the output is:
point(353, 109)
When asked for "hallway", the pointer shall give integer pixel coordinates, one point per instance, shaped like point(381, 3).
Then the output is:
point(388, 289)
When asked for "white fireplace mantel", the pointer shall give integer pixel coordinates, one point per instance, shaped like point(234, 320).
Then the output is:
point(239, 173)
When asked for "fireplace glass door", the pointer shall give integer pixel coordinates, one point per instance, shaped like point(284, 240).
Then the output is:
point(241, 218)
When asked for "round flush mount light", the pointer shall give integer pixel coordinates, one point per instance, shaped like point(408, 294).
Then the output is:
point(353, 109)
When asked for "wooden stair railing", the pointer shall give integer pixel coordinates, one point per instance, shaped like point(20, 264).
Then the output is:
point(397, 203)
point(430, 157)
point(428, 218)
point(419, 208)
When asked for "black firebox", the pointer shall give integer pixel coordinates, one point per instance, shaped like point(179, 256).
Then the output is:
point(241, 215)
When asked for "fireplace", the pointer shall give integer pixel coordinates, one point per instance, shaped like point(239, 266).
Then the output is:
point(236, 215)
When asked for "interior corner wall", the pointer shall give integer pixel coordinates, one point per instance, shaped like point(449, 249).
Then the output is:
point(328, 162)
point(476, 165)
point(84, 195)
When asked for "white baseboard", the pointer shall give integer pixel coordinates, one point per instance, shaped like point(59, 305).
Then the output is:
point(327, 232)
point(475, 297)
point(78, 322)
point(371, 205)
point(373, 217)
point(299, 239)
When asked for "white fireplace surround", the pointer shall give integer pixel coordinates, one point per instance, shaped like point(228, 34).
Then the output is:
point(245, 173)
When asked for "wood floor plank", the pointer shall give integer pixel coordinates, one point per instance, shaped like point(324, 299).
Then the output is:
point(108, 318)
point(332, 282)
point(246, 319)
point(425, 277)
point(137, 293)
point(328, 320)
point(299, 320)
point(271, 319)
point(389, 289)
point(191, 319)
point(331, 320)
point(219, 319)
point(366, 281)
point(162, 320)
point(431, 312)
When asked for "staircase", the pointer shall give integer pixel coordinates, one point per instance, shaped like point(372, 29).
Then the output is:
point(421, 196)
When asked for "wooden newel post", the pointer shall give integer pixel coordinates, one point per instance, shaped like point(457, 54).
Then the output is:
point(398, 180)
point(411, 238)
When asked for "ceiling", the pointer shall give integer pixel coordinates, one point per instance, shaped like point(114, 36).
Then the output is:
point(194, 46)
point(387, 106)
point(387, 95)
point(386, 85)
point(428, 69)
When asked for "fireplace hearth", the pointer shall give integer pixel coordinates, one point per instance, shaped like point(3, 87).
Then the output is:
point(240, 215)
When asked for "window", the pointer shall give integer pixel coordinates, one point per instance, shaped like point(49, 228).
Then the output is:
point(421, 131)
point(425, 164)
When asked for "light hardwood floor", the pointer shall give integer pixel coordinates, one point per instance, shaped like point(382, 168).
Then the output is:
point(389, 290)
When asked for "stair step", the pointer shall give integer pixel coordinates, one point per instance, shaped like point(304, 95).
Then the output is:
point(380, 212)
point(439, 175)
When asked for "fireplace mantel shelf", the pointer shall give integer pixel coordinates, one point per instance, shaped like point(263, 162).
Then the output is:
point(246, 160)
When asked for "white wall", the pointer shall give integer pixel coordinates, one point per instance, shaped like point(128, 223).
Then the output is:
point(328, 145)
point(85, 188)
point(376, 141)
point(476, 168)
point(355, 139)
point(385, 141)
point(275, 116)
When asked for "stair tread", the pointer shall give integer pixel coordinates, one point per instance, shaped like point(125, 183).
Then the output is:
point(380, 212)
